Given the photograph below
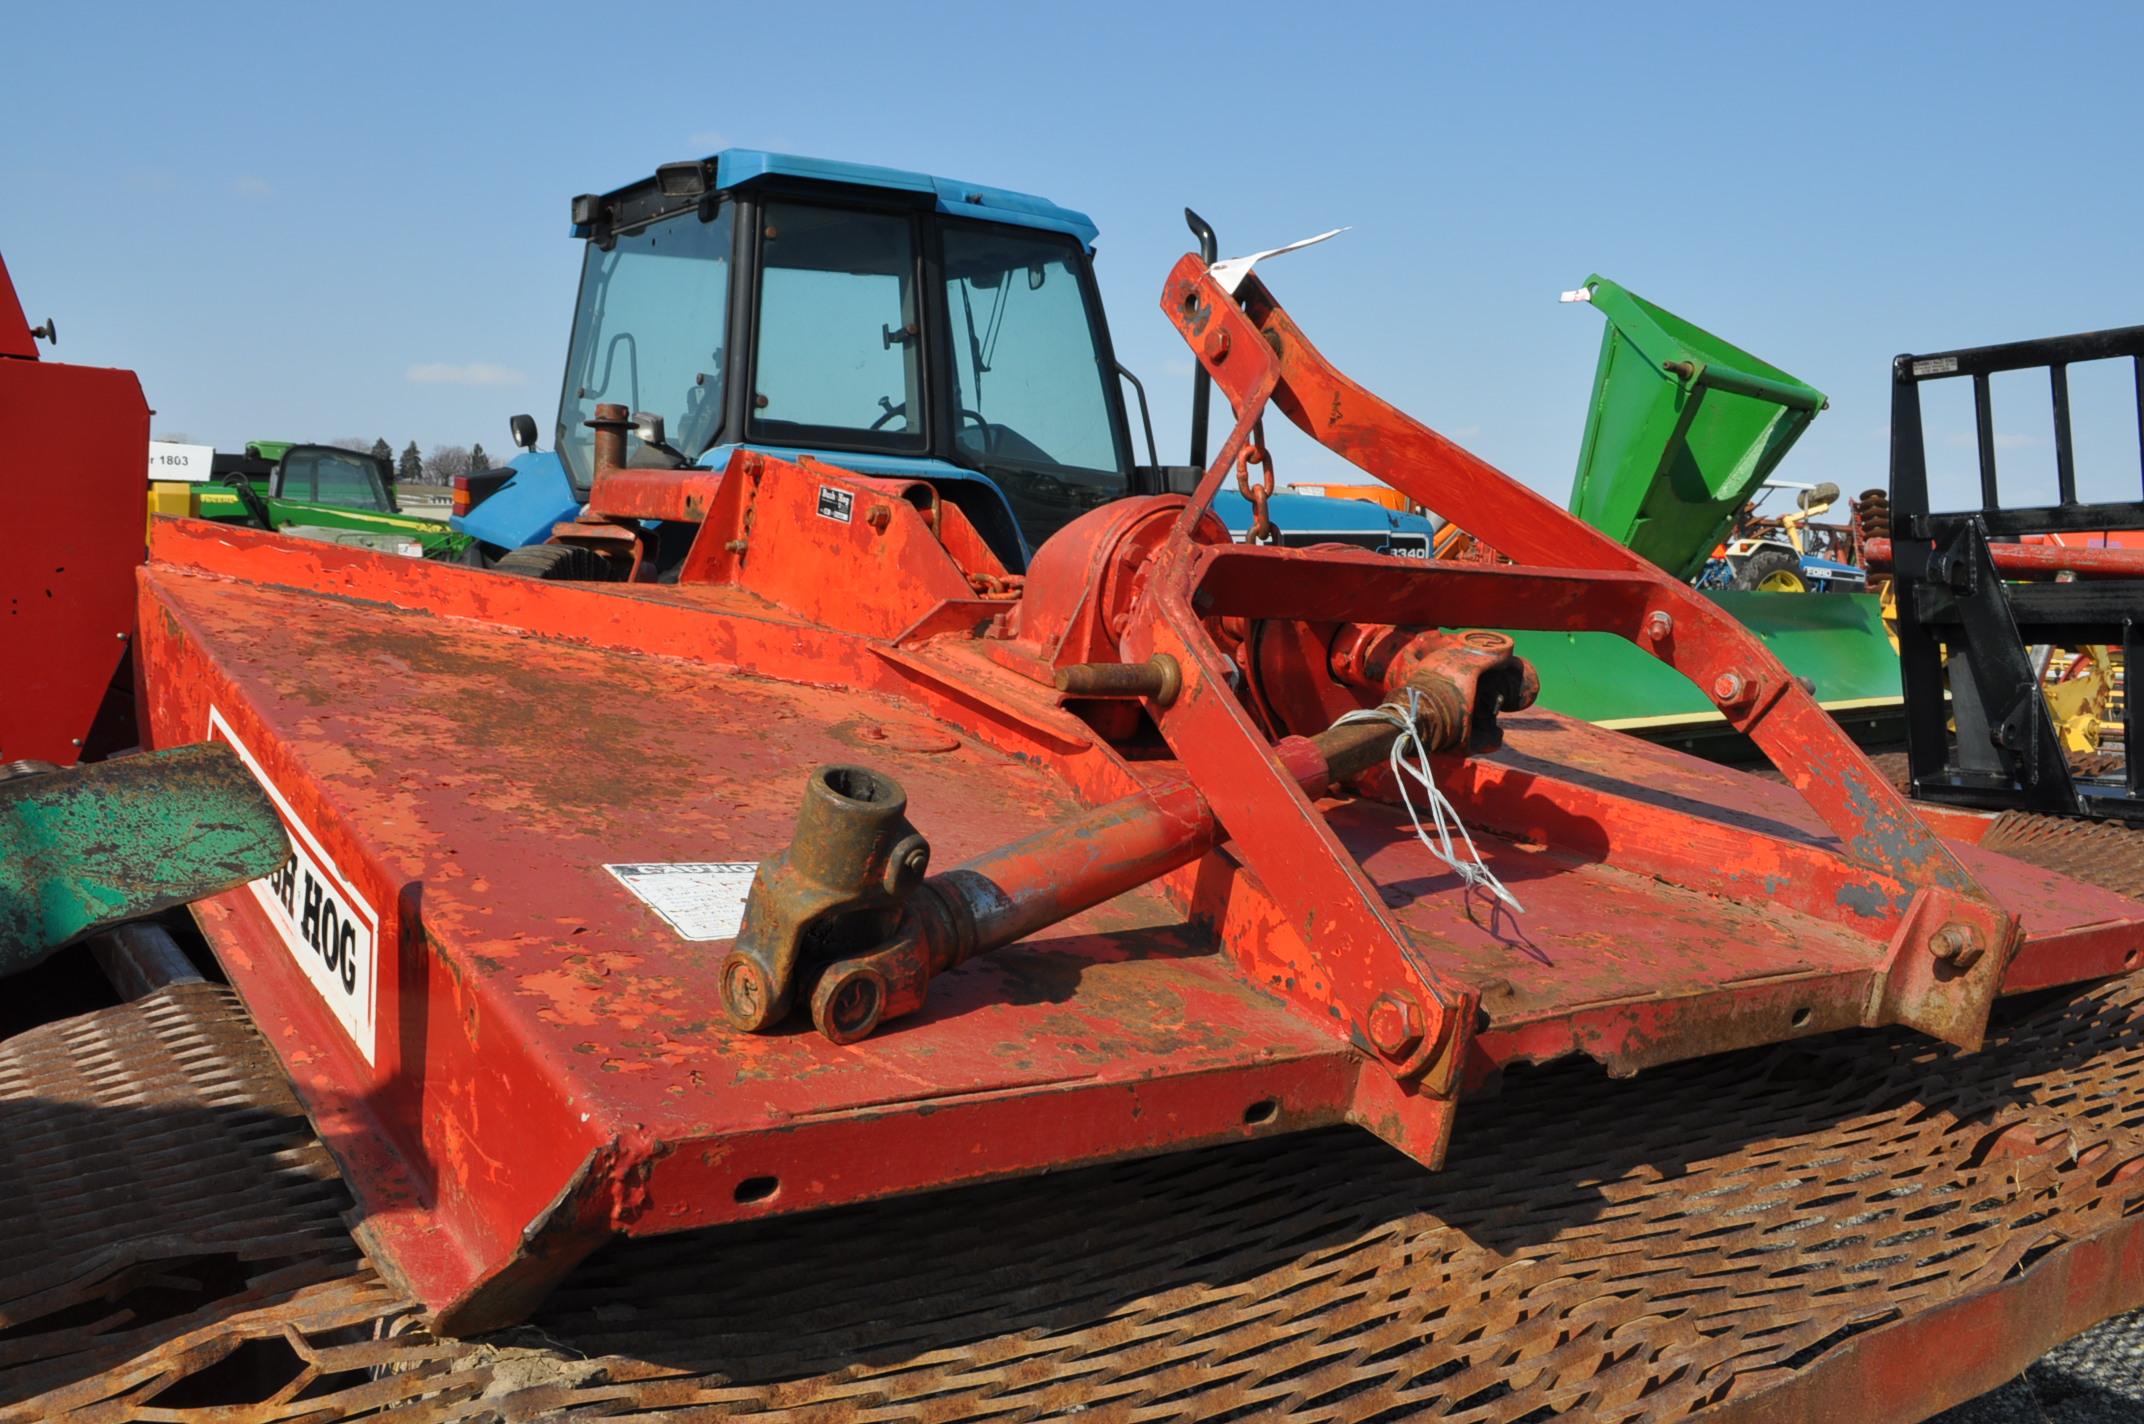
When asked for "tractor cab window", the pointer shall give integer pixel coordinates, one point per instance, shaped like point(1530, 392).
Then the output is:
point(648, 335)
point(840, 351)
point(1031, 395)
point(325, 476)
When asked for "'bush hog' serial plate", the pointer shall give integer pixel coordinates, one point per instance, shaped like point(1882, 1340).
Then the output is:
point(1145, 888)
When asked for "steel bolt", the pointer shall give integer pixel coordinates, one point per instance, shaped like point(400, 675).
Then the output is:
point(1956, 944)
point(1731, 688)
point(1395, 1025)
point(736, 546)
point(878, 516)
point(1658, 625)
point(1217, 344)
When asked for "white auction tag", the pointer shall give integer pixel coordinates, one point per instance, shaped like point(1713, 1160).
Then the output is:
point(1230, 271)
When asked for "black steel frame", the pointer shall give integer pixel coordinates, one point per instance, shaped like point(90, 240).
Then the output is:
point(2005, 751)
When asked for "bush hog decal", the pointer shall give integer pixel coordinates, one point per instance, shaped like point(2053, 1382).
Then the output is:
point(323, 921)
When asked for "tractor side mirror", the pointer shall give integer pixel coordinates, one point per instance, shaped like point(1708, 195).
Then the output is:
point(524, 431)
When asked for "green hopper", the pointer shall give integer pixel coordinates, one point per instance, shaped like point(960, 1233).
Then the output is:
point(1683, 430)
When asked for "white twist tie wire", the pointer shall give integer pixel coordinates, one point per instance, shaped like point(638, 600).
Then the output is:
point(1410, 762)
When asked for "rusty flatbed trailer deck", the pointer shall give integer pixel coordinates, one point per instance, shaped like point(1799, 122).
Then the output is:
point(1868, 1222)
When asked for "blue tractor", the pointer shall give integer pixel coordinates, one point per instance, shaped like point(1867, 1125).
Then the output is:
point(898, 324)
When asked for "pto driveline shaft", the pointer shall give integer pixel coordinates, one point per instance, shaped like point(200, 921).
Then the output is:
point(1007, 894)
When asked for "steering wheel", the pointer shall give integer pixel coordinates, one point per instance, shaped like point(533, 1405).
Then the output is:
point(890, 410)
point(250, 498)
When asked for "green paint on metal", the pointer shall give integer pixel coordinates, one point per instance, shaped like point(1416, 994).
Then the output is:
point(87, 848)
point(1836, 640)
point(1683, 429)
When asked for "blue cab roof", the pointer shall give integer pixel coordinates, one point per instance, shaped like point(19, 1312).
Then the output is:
point(741, 167)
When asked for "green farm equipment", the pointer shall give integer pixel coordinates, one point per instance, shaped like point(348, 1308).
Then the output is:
point(1682, 436)
point(85, 849)
point(1683, 430)
point(320, 492)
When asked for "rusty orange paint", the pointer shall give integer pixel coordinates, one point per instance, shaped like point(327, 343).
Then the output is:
point(549, 1063)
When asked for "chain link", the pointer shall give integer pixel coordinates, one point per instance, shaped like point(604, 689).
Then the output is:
point(1255, 453)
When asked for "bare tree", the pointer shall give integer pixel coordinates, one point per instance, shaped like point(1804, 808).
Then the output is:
point(356, 443)
point(445, 462)
point(173, 437)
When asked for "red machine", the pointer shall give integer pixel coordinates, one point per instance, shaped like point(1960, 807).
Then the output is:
point(72, 439)
point(560, 958)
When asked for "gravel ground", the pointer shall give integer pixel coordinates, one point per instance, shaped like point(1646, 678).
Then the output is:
point(2097, 1378)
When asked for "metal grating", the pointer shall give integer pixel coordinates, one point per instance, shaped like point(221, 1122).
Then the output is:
point(1597, 1249)
point(2103, 853)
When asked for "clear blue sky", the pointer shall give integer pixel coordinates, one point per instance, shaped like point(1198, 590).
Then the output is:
point(286, 217)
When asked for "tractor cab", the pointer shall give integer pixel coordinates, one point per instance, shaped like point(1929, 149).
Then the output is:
point(898, 324)
point(309, 474)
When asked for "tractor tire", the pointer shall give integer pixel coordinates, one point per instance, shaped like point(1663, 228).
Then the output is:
point(557, 562)
point(1773, 570)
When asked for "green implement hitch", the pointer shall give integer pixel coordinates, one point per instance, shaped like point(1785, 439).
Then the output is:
point(1683, 430)
point(87, 848)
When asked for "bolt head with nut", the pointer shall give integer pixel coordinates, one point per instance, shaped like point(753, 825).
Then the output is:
point(1730, 689)
point(1658, 624)
point(1956, 944)
point(1395, 1025)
